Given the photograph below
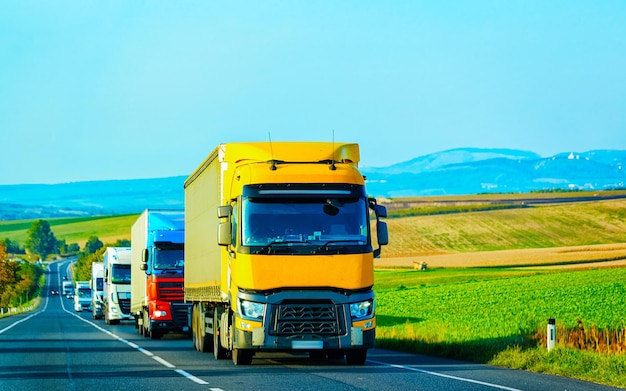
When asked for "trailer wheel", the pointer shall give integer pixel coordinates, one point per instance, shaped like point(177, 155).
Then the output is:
point(218, 351)
point(201, 341)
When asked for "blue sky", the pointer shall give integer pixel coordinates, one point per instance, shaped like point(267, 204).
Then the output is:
point(93, 90)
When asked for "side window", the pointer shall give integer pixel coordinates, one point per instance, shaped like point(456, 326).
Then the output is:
point(235, 224)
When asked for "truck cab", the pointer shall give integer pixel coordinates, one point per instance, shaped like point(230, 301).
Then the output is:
point(157, 253)
point(97, 290)
point(82, 296)
point(68, 289)
point(116, 285)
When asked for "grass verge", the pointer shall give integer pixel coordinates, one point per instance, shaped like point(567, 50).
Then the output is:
point(494, 315)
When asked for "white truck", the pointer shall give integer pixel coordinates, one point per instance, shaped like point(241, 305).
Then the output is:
point(97, 290)
point(117, 285)
point(82, 296)
point(68, 289)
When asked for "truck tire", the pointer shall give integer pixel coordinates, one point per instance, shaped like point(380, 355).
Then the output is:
point(201, 341)
point(218, 351)
point(145, 330)
point(356, 357)
point(242, 356)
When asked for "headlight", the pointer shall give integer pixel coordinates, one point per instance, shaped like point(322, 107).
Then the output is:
point(159, 314)
point(252, 310)
point(362, 309)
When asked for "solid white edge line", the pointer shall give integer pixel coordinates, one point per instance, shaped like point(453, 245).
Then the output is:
point(463, 379)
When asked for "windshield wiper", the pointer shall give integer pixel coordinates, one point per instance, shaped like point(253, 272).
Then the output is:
point(268, 247)
point(324, 246)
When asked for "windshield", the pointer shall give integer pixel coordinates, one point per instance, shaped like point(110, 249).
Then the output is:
point(320, 223)
point(120, 274)
point(84, 292)
point(168, 259)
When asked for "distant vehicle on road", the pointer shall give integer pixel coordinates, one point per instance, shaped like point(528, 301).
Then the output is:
point(82, 296)
point(117, 285)
point(68, 289)
point(97, 290)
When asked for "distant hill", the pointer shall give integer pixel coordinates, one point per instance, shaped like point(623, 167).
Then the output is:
point(93, 198)
point(474, 171)
point(453, 172)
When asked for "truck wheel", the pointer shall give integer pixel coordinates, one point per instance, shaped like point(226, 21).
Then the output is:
point(201, 341)
point(356, 357)
point(218, 351)
point(145, 331)
point(242, 356)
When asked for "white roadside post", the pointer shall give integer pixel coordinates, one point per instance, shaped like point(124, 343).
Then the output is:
point(551, 336)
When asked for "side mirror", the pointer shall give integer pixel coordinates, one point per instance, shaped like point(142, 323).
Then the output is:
point(146, 256)
point(380, 210)
point(383, 233)
point(224, 236)
point(224, 212)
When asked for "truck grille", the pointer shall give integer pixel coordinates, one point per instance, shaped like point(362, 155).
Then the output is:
point(124, 305)
point(170, 291)
point(180, 314)
point(308, 319)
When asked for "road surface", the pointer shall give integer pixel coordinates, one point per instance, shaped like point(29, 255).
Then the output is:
point(55, 348)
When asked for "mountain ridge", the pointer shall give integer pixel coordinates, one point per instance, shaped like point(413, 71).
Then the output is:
point(451, 172)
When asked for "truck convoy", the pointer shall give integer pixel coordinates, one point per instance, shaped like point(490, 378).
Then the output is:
point(157, 244)
point(116, 285)
point(279, 251)
point(82, 296)
point(97, 290)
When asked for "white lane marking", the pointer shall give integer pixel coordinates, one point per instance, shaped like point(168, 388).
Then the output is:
point(132, 345)
point(463, 379)
point(193, 378)
point(163, 362)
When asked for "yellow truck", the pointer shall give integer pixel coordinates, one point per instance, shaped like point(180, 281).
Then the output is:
point(280, 239)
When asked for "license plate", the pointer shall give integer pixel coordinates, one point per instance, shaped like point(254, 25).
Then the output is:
point(307, 344)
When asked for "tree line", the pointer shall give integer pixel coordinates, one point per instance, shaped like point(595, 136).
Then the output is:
point(20, 279)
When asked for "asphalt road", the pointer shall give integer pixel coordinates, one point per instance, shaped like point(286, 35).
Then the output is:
point(55, 348)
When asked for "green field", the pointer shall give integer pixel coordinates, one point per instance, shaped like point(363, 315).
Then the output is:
point(494, 315)
point(74, 230)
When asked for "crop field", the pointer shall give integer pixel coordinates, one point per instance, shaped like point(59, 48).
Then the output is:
point(74, 230)
point(560, 225)
point(464, 306)
point(492, 314)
